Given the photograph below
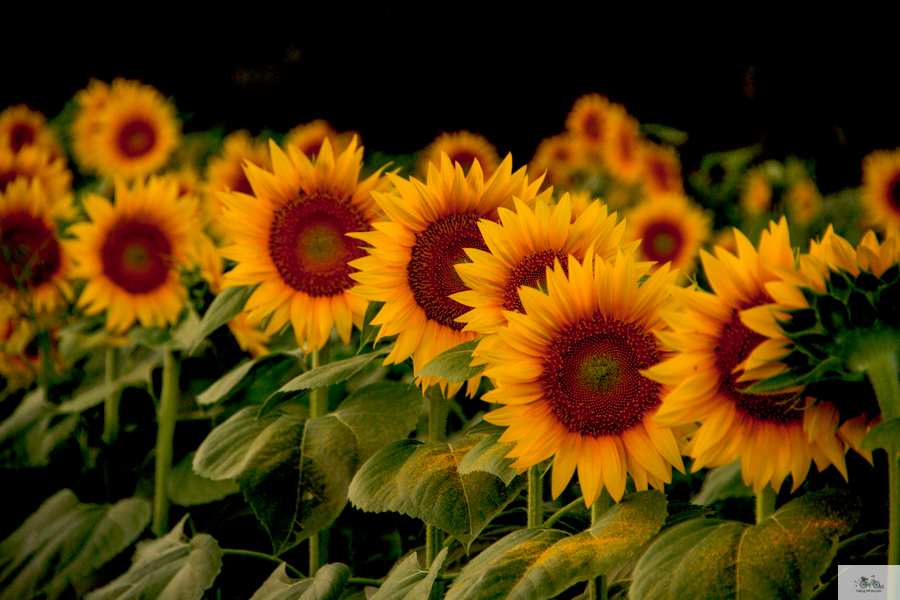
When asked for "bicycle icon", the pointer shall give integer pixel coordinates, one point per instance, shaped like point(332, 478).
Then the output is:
point(865, 582)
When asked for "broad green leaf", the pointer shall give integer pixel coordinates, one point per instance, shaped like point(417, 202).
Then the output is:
point(33, 431)
point(369, 332)
point(187, 488)
point(722, 483)
point(168, 568)
point(489, 455)
point(138, 376)
point(187, 330)
point(267, 370)
point(59, 547)
point(423, 481)
point(520, 567)
point(332, 373)
point(223, 308)
point(407, 581)
point(229, 448)
point(882, 435)
point(781, 557)
point(328, 584)
point(295, 472)
point(453, 364)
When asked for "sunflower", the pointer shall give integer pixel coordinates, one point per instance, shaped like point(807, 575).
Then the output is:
point(569, 374)
point(291, 240)
point(521, 247)
point(131, 132)
point(661, 170)
point(803, 202)
point(21, 127)
point(462, 147)
point(757, 193)
point(881, 187)
point(622, 147)
point(308, 137)
point(589, 117)
point(559, 157)
point(35, 163)
point(770, 436)
point(671, 229)
point(131, 253)
point(412, 257)
point(34, 263)
point(225, 173)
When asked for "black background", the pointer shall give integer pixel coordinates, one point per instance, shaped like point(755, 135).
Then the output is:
point(816, 86)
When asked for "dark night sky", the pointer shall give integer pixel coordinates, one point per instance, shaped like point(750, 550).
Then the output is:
point(401, 77)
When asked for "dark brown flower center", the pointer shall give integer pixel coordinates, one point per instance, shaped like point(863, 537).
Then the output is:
point(735, 343)
point(662, 241)
point(465, 158)
point(530, 272)
point(136, 256)
point(592, 127)
point(309, 245)
point(592, 378)
point(21, 135)
point(136, 138)
point(893, 192)
point(29, 251)
point(431, 270)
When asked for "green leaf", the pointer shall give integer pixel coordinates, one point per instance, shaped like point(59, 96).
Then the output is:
point(187, 330)
point(295, 472)
point(423, 481)
point(33, 431)
point(522, 567)
point(267, 370)
point(407, 581)
point(332, 373)
point(722, 483)
point(781, 557)
point(328, 584)
point(168, 568)
point(369, 332)
point(882, 435)
point(138, 376)
point(453, 364)
point(223, 308)
point(489, 455)
point(187, 488)
point(60, 546)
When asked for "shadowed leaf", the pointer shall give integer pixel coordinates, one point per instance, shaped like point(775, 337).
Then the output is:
point(270, 368)
point(538, 567)
point(331, 373)
point(489, 455)
point(168, 568)
point(64, 542)
point(223, 308)
point(781, 557)
point(328, 584)
point(423, 481)
point(453, 364)
point(722, 483)
point(408, 581)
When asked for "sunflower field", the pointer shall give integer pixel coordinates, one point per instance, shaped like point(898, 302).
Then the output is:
point(285, 367)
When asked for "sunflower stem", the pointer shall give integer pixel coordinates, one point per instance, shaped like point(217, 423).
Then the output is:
point(165, 436)
point(563, 512)
point(437, 432)
point(318, 407)
point(884, 374)
point(535, 497)
point(765, 502)
point(269, 557)
point(597, 586)
point(111, 401)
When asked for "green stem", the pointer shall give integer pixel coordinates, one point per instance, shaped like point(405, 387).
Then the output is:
point(563, 512)
point(597, 589)
point(765, 502)
point(269, 557)
point(165, 436)
point(318, 407)
point(111, 402)
point(884, 374)
point(535, 497)
point(437, 432)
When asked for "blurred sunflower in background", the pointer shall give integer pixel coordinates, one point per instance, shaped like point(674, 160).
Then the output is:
point(35, 265)
point(290, 237)
point(880, 192)
point(569, 374)
point(131, 253)
point(21, 127)
point(308, 137)
point(462, 147)
point(127, 128)
point(671, 229)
